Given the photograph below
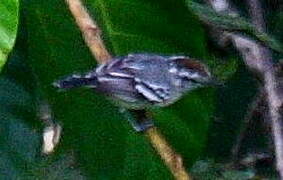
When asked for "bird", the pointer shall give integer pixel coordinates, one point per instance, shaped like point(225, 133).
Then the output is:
point(142, 81)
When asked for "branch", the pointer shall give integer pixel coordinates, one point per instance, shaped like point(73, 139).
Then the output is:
point(258, 58)
point(255, 109)
point(172, 160)
point(90, 31)
point(256, 14)
point(91, 34)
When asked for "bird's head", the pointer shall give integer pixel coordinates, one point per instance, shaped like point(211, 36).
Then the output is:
point(192, 72)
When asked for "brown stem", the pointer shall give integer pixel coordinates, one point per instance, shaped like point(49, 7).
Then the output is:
point(271, 87)
point(91, 34)
point(258, 58)
point(276, 118)
point(90, 31)
point(172, 159)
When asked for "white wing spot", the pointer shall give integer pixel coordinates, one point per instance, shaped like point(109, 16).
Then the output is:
point(184, 74)
point(101, 79)
point(163, 94)
point(112, 63)
point(76, 76)
point(147, 93)
point(99, 68)
point(118, 74)
point(89, 75)
point(173, 70)
point(177, 57)
point(137, 80)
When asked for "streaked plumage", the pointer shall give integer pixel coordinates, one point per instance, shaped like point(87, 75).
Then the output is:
point(139, 81)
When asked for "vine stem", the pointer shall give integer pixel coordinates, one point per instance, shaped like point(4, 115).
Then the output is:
point(258, 58)
point(92, 36)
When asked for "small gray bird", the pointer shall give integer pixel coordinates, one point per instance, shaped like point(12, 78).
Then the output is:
point(140, 81)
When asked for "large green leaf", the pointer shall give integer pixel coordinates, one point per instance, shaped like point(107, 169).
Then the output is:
point(106, 145)
point(8, 27)
point(20, 128)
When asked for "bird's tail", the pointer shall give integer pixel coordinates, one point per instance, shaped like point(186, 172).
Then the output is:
point(89, 80)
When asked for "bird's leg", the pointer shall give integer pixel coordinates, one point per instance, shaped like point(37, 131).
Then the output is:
point(138, 119)
point(141, 121)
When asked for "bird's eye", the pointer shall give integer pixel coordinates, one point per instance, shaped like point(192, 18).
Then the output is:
point(190, 80)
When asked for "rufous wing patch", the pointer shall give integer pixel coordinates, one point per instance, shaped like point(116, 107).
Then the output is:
point(193, 64)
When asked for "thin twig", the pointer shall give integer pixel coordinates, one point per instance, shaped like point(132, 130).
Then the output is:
point(256, 15)
point(173, 161)
point(271, 86)
point(258, 58)
point(253, 110)
point(274, 110)
point(90, 31)
point(91, 34)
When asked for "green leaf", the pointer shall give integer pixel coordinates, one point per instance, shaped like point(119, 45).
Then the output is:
point(20, 140)
point(106, 145)
point(232, 22)
point(209, 170)
point(223, 69)
point(8, 27)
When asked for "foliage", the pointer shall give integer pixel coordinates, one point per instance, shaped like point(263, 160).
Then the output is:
point(8, 27)
point(209, 170)
point(94, 127)
point(20, 139)
point(97, 141)
point(232, 23)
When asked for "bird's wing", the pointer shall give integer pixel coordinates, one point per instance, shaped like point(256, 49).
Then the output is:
point(151, 92)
